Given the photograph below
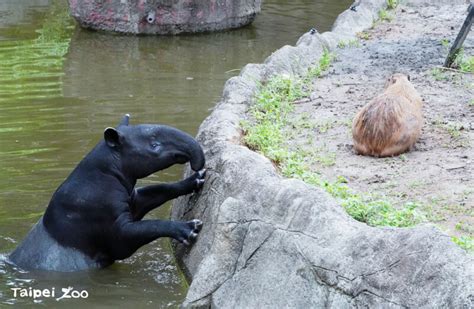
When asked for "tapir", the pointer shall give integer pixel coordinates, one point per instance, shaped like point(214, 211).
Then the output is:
point(95, 216)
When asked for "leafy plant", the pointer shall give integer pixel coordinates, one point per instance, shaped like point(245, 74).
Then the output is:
point(465, 242)
point(392, 4)
point(384, 15)
point(350, 43)
point(364, 35)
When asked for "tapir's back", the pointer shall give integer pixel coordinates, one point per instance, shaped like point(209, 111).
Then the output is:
point(40, 251)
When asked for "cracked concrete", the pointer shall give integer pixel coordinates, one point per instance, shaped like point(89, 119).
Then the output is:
point(270, 242)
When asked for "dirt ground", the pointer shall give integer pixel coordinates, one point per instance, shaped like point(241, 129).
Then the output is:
point(439, 172)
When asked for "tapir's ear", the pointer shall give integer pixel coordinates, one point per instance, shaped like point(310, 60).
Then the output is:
point(125, 120)
point(112, 137)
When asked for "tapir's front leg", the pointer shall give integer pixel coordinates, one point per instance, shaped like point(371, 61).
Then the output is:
point(134, 234)
point(148, 198)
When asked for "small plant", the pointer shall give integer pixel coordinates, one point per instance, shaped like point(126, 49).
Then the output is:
point(326, 60)
point(349, 43)
point(464, 227)
point(384, 15)
point(324, 126)
point(326, 159)
point(438, 74)
point(364, 35)
point(466, 65)
point(341, 44)
point(392, 4)
point(445, 43)
point(454, 129)
point(323, 64)
point(471, 103)
point(465, 242)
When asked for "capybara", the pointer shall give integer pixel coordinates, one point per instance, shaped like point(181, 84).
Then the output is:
point(391, 123)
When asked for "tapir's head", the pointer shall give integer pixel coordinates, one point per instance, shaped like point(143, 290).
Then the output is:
point(145, 149)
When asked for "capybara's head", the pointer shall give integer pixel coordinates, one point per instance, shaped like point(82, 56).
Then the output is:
point(397, 77)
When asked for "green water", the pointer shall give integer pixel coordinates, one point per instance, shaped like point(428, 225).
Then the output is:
point(60, 86)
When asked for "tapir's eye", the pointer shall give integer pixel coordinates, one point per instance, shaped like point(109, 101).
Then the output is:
point(155, 145)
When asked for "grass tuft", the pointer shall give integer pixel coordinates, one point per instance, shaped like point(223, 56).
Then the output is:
point(465, 242)
point(392, 4)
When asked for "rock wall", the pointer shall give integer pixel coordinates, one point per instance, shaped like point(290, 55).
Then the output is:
point(271, 242)
point(163, 16)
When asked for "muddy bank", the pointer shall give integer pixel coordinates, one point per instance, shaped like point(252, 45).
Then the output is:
point(437, 175)
point(274, 242)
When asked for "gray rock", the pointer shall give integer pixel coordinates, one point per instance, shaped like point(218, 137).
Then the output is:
point(164, 17)
point(271, 242)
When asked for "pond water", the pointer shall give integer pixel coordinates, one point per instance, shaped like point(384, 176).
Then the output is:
point(60, 86)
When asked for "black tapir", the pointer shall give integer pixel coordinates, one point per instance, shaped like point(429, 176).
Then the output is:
point(95, 216)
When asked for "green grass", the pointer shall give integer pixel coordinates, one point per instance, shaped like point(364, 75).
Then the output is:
point(465, 242)
point(464, 63)
point(323, 65)
point(364, 35)
point(392, 4)
point(266, 134)
point(438, 74)
point(445, 43)
point(349, 43)
point(384, 15)
point(454, 129)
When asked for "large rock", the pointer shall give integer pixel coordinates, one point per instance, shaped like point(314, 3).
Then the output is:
point(164, 16)
point(270, 242)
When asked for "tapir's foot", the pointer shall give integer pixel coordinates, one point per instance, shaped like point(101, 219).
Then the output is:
point(197, 179)
point(189, 231)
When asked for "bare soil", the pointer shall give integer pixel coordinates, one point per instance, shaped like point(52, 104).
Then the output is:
point(439, 172)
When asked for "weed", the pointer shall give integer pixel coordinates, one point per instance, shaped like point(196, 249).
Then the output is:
point(466, 65)
point(471, 103)
point(465, 242)
point(445, 43)
point(350, 43)
point(392, 4)
point(438, 74)
point(416, 184)
point(323, 64)
point(326, 159)
point(384, 15)
point(464, 227)
point(454, 129)
point(325, 126)
point(364, 35)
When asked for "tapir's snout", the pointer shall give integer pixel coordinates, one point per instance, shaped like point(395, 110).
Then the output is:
point(197, 159)
point(186, 148)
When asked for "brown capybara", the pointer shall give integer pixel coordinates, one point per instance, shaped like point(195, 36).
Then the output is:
point(391, 123)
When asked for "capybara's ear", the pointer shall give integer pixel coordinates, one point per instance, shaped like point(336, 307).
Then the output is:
point(112, 137)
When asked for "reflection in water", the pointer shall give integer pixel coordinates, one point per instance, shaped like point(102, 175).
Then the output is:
point(31, 68)
point(55, 103)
